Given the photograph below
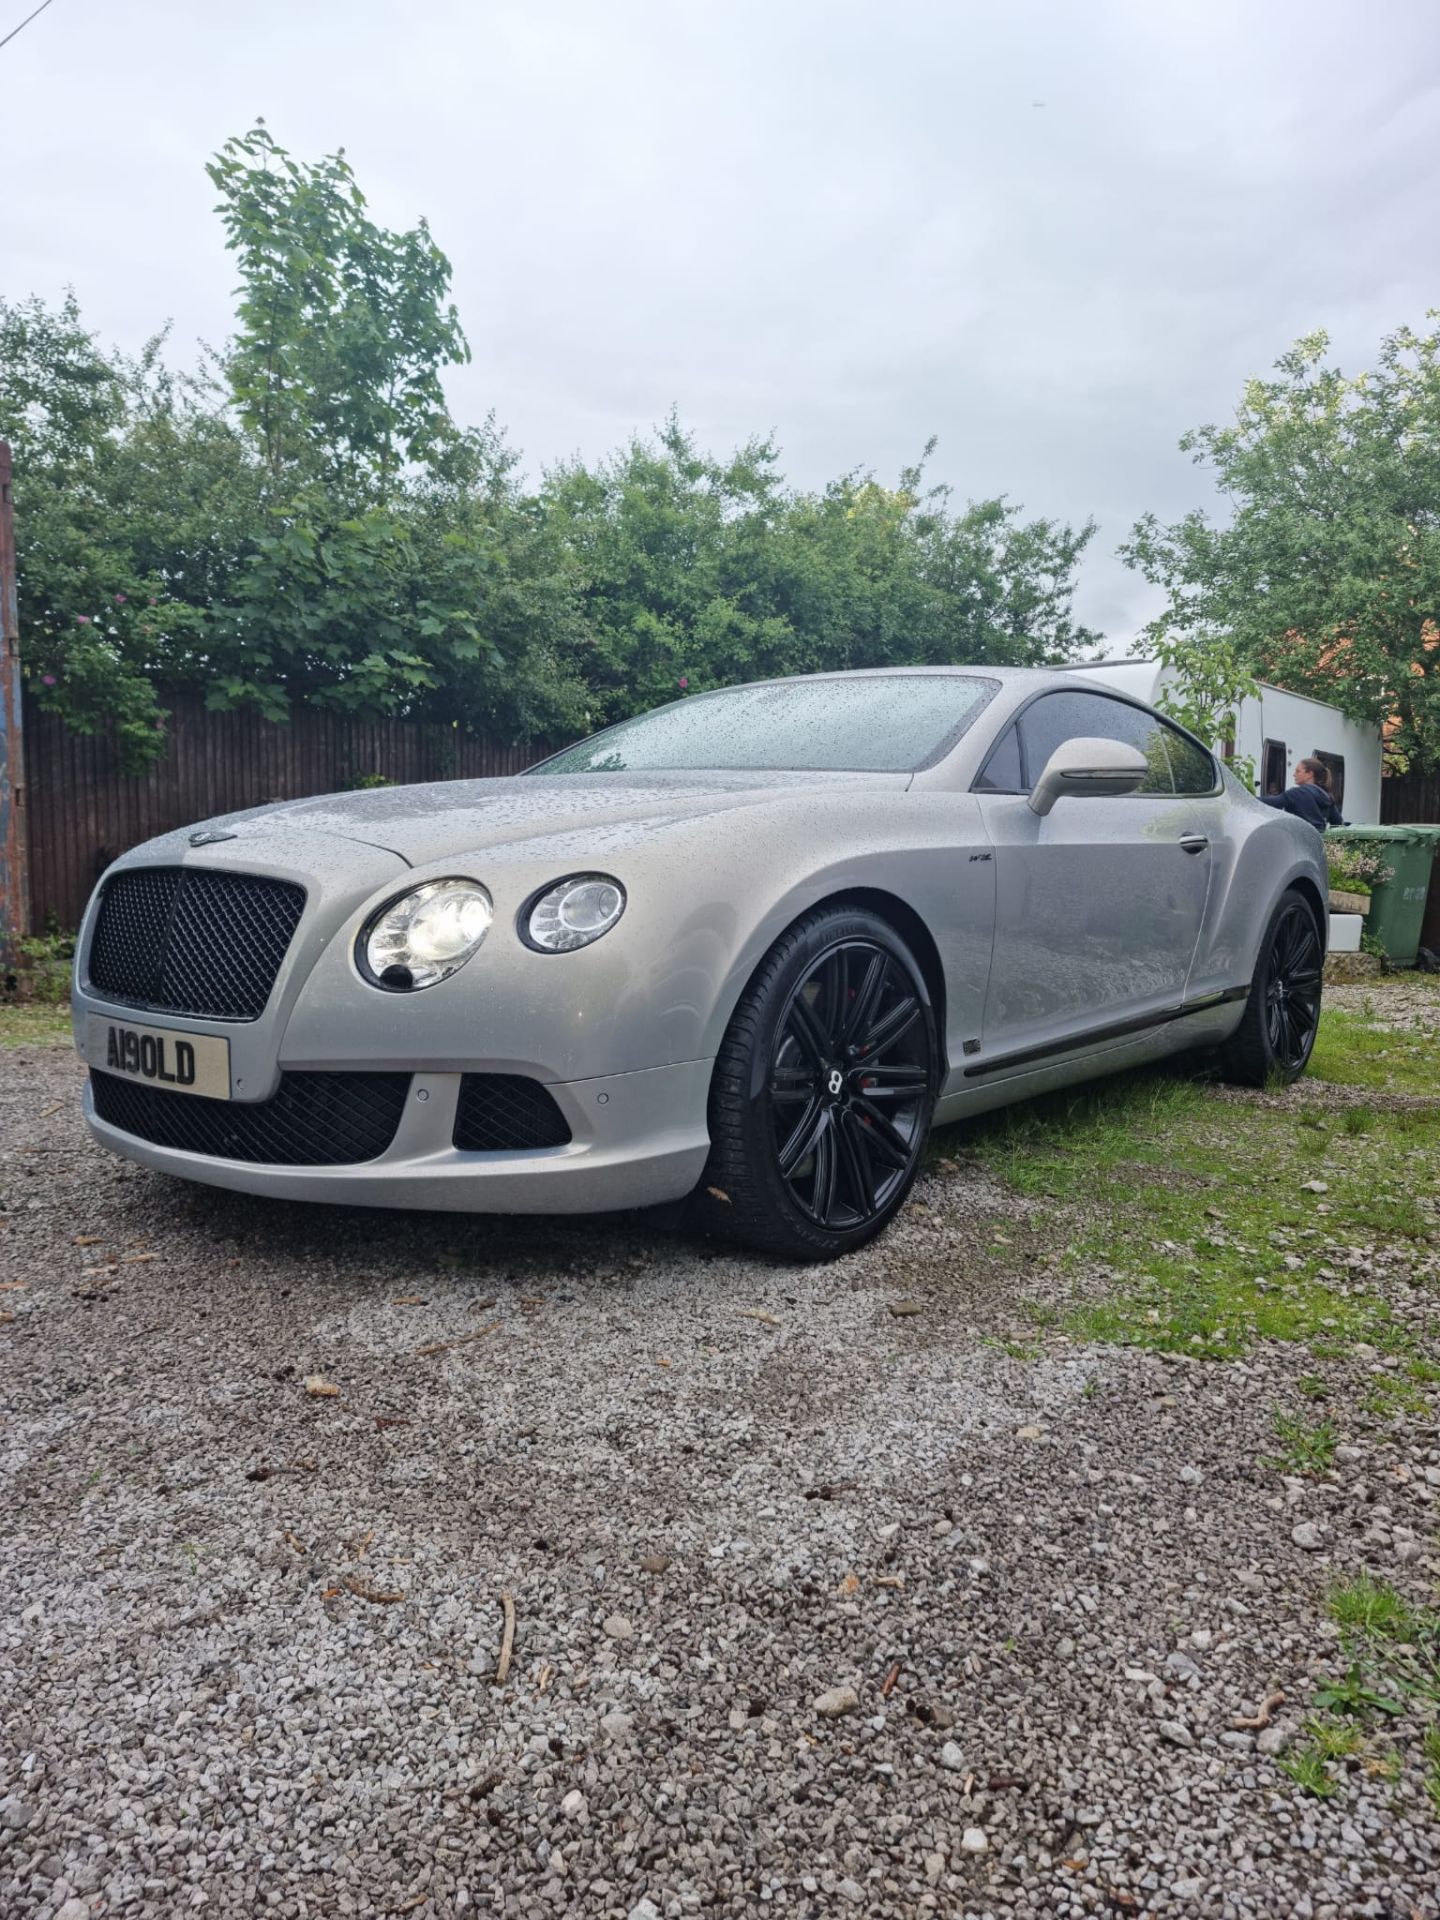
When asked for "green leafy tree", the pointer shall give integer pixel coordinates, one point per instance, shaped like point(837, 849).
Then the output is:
point(343, 326)
point(1325, 576)
point(698, 572)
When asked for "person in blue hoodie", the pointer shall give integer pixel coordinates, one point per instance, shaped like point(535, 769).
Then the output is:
point(1310, 798)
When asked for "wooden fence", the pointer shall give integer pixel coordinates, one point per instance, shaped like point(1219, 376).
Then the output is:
point(82, 811)
point(1413, 797)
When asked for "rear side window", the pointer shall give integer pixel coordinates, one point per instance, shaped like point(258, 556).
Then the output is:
point(1001, 772)
point(1058, 717)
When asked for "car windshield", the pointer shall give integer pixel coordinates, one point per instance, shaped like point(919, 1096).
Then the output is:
point(878, 723)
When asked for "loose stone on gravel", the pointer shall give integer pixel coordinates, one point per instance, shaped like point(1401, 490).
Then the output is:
point(838, 1701)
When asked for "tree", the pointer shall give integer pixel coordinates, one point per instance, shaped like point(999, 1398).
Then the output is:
point(344, 326)
point(1326, 575)
point(698, 572)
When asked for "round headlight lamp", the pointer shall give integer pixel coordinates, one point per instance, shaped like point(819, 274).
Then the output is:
point(573, 912)
point(424, 936)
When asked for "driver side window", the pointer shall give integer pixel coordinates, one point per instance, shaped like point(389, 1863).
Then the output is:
point(1058, 717)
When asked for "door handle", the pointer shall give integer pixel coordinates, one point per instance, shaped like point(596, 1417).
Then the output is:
point(1194, 842)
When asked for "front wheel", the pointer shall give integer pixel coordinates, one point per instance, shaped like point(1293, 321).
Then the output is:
point(1282, 1014)
point(823, 1090)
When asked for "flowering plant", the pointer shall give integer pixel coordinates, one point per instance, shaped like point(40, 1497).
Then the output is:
point(1356, 866)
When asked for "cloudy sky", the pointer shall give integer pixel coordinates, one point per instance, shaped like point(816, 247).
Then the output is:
point(1054, 233)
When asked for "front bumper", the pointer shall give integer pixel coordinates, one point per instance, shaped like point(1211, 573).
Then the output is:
point(639, 1140)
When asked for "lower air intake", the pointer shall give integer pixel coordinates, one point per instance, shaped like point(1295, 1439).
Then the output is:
point(314, 1120)
point(507, 1113)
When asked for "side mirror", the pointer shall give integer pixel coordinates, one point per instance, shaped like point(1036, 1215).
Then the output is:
point(1088, 767)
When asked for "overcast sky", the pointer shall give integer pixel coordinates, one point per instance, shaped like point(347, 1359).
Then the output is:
point(1054, 234)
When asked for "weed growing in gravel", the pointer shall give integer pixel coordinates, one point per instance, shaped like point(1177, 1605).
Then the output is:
point(1313, 1386)
point(1353, 1694)
point(1373, 1608)
point(1307, 1768)
point(1334, 1739)
point(1304, 1448)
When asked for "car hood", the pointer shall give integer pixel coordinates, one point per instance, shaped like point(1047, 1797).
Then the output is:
point(433, 822)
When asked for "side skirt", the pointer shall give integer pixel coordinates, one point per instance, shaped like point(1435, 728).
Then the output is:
point(1075, 1044)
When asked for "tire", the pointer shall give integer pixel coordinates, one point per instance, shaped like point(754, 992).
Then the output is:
point(822, 1092)
point(1282, 1014)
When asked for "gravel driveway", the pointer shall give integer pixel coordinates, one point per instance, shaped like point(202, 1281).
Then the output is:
point(824, 1601)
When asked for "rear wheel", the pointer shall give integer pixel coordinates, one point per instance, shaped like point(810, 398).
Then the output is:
point(1282, 1013)
point(823, 1090)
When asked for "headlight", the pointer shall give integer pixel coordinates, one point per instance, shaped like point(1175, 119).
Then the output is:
point(574, 912)
point(425, 935)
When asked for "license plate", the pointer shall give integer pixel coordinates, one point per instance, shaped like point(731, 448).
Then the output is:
point(160, 1057)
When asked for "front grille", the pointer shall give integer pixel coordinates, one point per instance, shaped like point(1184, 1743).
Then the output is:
point(193, 940)
point(506, 1113)
point(314, 1120)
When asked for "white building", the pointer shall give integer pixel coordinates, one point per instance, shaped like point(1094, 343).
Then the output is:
point(1274, 732)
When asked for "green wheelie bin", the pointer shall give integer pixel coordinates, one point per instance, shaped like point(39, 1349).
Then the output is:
point(1397, 905)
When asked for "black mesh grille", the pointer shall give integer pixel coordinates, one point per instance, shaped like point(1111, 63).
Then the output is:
point(504, 1113)
point(192, 940)
point(314, 1120)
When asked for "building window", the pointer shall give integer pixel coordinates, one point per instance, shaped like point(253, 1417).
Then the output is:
point(1273, 761)
point(1334, 765)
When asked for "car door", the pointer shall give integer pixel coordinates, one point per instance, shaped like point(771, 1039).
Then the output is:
point(1099, 904)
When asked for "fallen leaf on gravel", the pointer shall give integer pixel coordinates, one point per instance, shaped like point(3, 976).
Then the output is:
point(655, 1563)
point(259, 1473)
point(460, 1340)
point(13, 1286)
point(887, 1685)
point(756, 1313)
point(112, 1267)
point(850, 1584)
point(889, 1579)
point(362, 1590)
point(136, 1259)
point(383, 1420)
point(410, 1300)
point(88, 1240)
point(409, 1906)
point(664, 1363)
point(305, 1466)
point(319, 1388)
point(905, 1309)
point(299, 1545)
point(719, 1193)
point(5, 1319)
point(1029, 1433)
point(543, 1678)
point(51, 1111)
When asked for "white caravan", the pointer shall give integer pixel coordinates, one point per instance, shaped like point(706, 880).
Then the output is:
point(1274, 732)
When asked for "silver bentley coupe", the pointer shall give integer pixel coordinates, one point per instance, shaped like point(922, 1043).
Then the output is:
point(741, 951)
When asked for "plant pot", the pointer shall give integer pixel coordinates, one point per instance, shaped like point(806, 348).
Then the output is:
point(1343, 902)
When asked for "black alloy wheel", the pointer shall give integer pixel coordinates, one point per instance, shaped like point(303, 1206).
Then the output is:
point(1292, 988)
point(1276, 1034)
point(849, 1085)
point(823, 1090)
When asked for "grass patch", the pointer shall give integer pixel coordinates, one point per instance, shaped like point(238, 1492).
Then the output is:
point(1203, 1210)
point(1373, 1610)
point(1303, 1448)
point(1350, 1053)
point(30, 1026)
point(1307, 1768)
